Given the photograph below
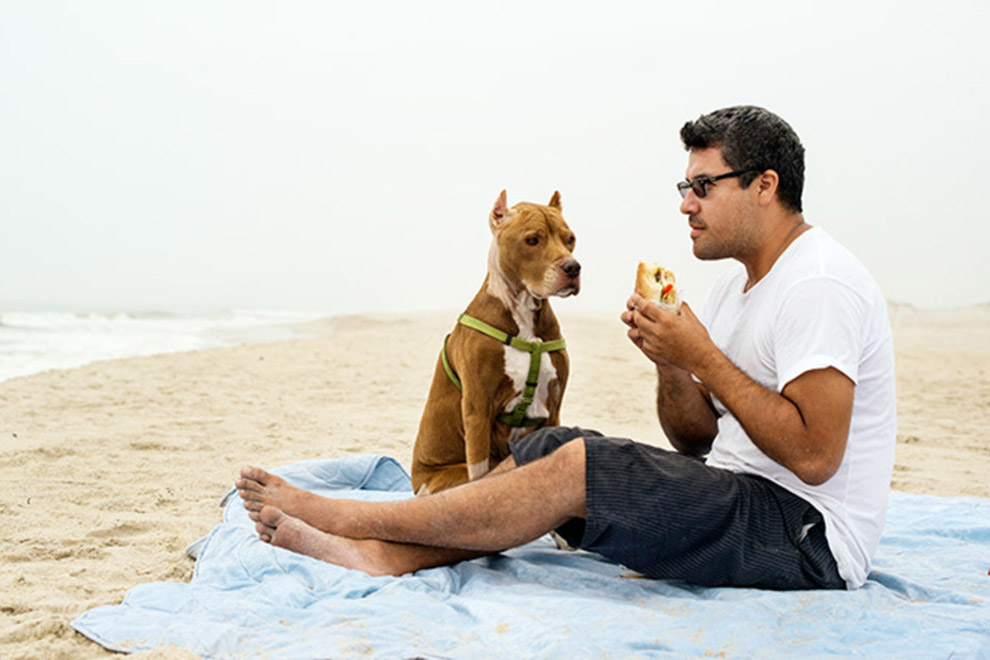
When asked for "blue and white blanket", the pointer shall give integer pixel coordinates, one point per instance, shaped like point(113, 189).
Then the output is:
point(927, 597)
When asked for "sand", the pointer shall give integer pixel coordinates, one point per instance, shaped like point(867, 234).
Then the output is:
point(109, 471)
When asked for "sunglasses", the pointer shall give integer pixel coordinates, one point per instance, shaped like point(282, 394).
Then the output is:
point(700, 184)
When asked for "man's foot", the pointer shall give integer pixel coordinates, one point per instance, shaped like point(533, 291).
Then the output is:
point(372, 556)
point(280, 529)
point(259, 489)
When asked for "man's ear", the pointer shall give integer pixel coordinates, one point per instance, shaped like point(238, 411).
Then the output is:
point(555, 200)
point(499, 212)
point(767, 184)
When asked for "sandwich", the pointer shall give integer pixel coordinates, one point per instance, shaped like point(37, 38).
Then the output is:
point(657, 284)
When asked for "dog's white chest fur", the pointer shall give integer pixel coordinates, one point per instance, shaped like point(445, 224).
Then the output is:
point(517, 364)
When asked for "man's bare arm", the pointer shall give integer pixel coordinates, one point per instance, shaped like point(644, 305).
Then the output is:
point(804, 427)
point(685, 411)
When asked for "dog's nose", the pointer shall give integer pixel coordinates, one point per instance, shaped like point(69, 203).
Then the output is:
point(571, 268)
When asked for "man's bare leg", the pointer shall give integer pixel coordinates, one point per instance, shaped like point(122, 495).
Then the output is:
point(259, 488)
point(369, 555)
point(500, 511)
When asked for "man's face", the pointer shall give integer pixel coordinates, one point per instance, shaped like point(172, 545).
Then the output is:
point(723, 221)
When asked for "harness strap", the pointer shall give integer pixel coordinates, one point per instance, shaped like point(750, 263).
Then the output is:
point(536, 349)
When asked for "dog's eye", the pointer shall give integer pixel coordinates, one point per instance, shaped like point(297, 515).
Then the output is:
point(570, 240)
point(532, 240)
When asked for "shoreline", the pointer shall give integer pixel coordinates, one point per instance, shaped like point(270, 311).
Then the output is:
point(37, 342)
point(258, 326)
point(112, 469)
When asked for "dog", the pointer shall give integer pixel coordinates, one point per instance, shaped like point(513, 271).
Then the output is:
point(503, 368)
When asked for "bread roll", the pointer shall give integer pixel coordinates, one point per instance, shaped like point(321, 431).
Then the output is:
point(656, 283)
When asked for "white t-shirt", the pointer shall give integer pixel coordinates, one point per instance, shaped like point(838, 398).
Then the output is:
point(818, 307)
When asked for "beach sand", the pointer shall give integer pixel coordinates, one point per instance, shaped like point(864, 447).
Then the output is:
point(109, 471)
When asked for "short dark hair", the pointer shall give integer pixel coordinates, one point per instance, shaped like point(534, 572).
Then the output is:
point(752, 137)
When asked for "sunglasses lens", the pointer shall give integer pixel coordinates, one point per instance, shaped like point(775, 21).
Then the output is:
point(699, 186)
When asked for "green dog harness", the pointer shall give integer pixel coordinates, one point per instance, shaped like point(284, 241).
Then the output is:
point(536, 349)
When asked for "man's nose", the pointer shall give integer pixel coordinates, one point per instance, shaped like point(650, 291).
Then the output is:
point(690, 204)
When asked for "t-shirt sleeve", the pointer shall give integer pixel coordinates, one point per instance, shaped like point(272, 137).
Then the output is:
point(818, 324)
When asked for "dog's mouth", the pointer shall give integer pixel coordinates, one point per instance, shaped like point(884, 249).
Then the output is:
point(572, 288)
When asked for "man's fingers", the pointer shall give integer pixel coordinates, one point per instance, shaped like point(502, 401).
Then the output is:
point(648, 309)
point(648, 312)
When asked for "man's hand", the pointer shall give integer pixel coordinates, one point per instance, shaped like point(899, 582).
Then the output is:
point(666, 338)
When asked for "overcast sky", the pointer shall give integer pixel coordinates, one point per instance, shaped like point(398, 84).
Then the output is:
point(344, 156)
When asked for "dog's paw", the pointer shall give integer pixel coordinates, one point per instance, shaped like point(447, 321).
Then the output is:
point(561, 543)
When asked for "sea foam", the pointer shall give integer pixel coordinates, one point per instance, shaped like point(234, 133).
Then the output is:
point(32, 342)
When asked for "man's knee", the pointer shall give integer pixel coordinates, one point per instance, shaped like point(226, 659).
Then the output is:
point(570, 456)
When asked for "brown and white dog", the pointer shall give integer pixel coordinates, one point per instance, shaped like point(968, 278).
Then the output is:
point(461, 436)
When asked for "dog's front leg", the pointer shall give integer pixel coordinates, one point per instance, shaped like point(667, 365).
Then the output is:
point(476, 408)
point(555, 393)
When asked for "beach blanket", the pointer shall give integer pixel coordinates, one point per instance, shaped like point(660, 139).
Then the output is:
point(928, 596)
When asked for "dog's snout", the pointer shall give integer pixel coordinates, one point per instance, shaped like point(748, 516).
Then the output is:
point(571, 268)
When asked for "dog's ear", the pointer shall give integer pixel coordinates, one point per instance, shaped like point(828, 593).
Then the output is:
point(555, 200)
point(499, 212)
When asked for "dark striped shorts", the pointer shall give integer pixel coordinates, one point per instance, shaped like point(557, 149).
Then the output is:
point(670, 516)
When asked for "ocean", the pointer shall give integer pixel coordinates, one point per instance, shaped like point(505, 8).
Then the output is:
point(32, 342)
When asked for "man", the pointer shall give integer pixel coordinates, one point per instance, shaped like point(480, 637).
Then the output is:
point(787, 387)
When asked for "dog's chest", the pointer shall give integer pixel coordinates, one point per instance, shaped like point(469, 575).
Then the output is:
point(517, 365)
